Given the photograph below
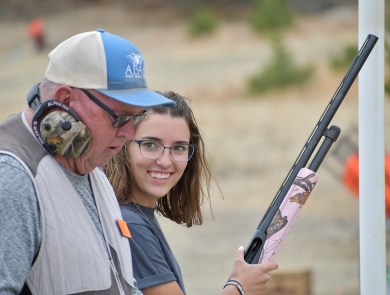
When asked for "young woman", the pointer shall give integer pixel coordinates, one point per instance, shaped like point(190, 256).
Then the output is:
point(162, 170)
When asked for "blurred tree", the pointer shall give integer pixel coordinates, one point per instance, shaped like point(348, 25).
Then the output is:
point(28, 10)
point(317, 6)
point(387, 47)
point(229, 8)
point(270, 16)
point(343, 61)
point(280, 73)
point(203, 22)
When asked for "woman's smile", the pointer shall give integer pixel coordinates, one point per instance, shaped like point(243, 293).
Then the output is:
point(159, 175)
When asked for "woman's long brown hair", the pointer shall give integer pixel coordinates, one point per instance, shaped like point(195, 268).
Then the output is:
point(183, 202)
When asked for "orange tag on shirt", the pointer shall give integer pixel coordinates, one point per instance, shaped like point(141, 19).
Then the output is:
point(125, 231)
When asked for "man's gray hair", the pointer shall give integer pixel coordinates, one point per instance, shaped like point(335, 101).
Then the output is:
point(47, 89)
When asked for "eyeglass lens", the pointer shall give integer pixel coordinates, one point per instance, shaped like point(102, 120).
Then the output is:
point(152, 150)
point(123, 120)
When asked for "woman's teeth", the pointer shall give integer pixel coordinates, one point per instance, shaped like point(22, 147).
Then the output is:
point(159, 176)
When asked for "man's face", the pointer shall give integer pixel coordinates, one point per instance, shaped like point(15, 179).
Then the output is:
point(106, 139)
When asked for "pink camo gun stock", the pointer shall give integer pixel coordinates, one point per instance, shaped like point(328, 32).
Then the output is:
point(288, 211)
point(300, 181)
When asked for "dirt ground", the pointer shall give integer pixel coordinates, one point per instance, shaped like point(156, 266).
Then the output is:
point(252, 142)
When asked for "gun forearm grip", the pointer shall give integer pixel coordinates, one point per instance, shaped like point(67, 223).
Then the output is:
point(287, 213)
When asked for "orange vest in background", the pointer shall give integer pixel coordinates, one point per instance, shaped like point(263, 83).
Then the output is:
point(351, 177)
point(35, 28)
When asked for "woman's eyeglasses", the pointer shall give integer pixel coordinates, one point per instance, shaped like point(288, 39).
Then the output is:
point(152, 150)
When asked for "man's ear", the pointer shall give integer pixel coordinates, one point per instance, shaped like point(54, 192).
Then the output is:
point(64, 94)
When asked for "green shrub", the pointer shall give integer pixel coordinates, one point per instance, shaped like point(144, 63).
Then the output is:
point(280, 73)
point(387, 63)
point(203, 22)
point(387, 47)
point(271, 15)
point(343, 61)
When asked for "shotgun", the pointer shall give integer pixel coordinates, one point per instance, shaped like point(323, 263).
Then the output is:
point(300, 181)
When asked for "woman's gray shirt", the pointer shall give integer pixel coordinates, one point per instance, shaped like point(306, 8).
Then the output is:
point(153, 261)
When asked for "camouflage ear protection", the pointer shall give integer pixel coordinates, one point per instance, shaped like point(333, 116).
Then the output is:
point(61, 131)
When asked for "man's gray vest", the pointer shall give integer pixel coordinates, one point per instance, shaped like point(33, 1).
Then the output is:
point(71, 258)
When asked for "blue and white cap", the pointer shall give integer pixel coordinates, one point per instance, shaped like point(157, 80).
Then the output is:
point(107, 63)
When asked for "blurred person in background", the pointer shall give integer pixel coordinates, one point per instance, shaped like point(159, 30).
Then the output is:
point(59, 215)
point(36, 33)
point(163, 169)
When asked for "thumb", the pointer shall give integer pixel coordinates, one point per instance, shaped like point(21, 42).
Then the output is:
point(240, 253)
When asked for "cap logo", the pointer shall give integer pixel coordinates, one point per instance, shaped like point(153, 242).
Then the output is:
point(136, 69)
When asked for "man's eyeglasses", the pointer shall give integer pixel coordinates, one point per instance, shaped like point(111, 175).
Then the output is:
point(118, 120)
point(152, 150)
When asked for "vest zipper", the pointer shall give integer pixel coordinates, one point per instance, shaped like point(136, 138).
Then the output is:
point(113, 267)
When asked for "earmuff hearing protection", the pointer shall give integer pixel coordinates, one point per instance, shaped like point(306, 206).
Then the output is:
point(60, 131)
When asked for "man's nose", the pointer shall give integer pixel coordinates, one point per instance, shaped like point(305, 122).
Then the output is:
point(127, 130)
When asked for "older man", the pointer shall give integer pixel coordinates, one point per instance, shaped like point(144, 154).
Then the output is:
point(60, 224)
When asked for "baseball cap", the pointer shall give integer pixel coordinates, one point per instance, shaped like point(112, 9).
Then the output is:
point(106, 63)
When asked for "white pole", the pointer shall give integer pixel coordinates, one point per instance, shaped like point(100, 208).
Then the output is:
point(371, 153)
